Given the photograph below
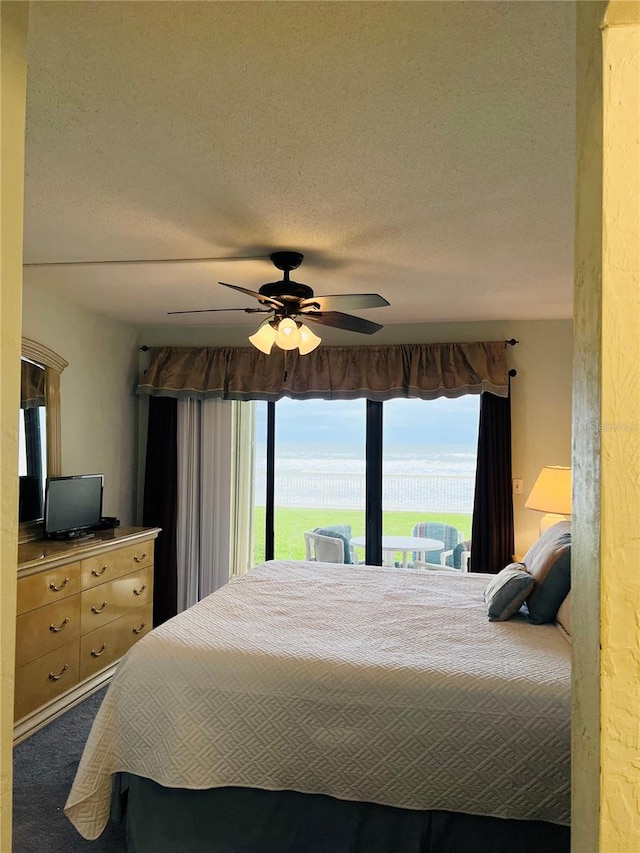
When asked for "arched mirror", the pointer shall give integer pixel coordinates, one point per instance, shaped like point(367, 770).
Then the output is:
point(39, 432)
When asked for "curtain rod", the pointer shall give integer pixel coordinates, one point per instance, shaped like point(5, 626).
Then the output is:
point(511, 342)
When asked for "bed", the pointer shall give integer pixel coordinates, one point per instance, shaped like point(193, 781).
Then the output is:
point(371, 708)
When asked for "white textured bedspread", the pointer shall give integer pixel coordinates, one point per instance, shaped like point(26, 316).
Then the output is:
point(364, 683)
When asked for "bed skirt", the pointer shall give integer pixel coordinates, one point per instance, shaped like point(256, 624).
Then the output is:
point(226, 820)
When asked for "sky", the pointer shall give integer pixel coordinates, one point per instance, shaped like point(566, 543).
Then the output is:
point(441, 422)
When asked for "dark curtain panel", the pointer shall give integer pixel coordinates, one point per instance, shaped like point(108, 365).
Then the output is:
point(160, 502)
point(492, 527)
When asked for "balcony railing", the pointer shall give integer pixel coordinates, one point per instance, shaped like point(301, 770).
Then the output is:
point(401, 492)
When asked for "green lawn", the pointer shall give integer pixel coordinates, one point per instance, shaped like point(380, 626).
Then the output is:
point(291, 524)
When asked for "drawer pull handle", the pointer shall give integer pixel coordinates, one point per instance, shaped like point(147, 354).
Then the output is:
point(53, 677)
point(95, 609)
point(140, 629)
point(95, 654)
point(58, 588)
point(140, 559)
point(60, 626)
point(141, 590)
point(98, 573)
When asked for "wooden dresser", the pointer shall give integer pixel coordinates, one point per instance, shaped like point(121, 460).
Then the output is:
point(80, 607)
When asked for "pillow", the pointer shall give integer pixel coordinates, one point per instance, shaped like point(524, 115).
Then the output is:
point(551, 570)
point(507, 591)
point(563, 616)
point(550, 535)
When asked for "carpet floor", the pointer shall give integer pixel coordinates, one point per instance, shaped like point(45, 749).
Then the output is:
point(43, 771)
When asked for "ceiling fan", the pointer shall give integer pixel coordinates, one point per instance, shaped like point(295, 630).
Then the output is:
point(286, 300)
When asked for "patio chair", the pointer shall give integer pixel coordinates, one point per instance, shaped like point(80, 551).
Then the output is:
point(323, 549)
point(456, 560)
point(343, 532)
point(446, 533)
point(460, 556)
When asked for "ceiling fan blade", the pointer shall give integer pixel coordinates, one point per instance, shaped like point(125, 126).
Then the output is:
point(266, 300)
point(343, 321)
point(145, 261)
point(350, 301)
point(209, 310)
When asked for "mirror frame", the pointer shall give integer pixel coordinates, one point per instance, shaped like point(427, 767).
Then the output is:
point(53, 365)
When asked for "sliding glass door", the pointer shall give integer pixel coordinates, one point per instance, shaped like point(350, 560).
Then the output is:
point(318, 473)
point(429, 467)
point(372, 471)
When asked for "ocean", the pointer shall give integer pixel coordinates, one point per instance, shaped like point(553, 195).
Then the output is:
point(336, 458)
point(438, 478)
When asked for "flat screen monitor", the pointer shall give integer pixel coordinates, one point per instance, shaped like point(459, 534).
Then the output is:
point(72, 505)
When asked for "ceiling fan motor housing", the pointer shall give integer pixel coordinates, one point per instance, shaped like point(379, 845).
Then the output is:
point(286, 290)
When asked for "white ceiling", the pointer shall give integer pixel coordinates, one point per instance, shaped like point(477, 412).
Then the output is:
point(421, 150)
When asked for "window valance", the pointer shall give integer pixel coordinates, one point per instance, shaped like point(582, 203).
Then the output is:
point(384, 372)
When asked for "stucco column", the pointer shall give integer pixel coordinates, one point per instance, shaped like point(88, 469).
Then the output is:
point(620, 434)
point(606, 433)
point(13, 29)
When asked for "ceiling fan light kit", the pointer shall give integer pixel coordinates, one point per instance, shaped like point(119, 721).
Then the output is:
point(286, 334)
point(289, 299)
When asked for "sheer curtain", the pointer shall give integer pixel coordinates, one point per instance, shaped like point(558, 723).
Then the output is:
point(204, 440)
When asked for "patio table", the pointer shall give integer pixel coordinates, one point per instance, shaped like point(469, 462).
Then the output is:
point(405, 545)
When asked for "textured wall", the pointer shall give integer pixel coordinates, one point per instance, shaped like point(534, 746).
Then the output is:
point(620, 434)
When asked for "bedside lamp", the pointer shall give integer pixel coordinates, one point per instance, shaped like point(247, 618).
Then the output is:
point(551, 494)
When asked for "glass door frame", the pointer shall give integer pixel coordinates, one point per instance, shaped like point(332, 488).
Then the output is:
point(373, 488)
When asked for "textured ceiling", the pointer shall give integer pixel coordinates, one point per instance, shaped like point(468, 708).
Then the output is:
point(421, 150)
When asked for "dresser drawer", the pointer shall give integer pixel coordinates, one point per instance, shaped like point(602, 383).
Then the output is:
point(48, 586)
point(40, 631)
point(115, 564)
point(108, 643)
point(110, 601)
point(45, 678)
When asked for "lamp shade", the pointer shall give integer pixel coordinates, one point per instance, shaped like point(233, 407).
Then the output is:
point(308, 340)
point(288, 335)
point(551, 492)
point(264, 338)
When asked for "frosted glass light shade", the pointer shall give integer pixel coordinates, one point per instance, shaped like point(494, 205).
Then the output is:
point(287, 336)
point(308, 341)
point(264, 338)
point(551, 492)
